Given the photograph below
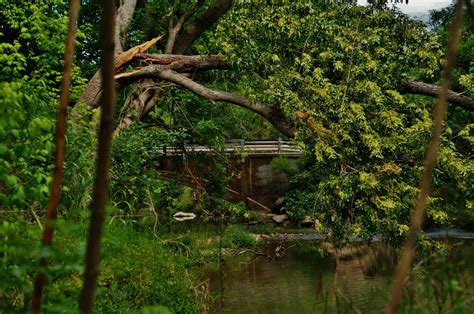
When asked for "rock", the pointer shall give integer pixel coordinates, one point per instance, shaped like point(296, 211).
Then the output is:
point(181, 216)
point(280, 218)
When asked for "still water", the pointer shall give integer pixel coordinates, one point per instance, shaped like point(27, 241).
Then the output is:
point(308, 277)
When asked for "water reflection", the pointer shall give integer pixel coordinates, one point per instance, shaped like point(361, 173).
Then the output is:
point(306, 278)
point(361, 276)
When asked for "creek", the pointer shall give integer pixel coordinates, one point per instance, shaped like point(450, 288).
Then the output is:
point(309, 276)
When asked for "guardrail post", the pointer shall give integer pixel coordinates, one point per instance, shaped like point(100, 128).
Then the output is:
point(184, 149)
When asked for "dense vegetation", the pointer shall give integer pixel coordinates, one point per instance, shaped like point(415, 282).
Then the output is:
point(331, 75)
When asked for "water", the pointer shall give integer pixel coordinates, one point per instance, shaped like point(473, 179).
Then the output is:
point(307, 277)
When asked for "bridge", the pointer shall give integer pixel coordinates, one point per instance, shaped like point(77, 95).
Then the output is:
point(251, 177)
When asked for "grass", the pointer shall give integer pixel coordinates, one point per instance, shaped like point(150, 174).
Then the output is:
point(138, 270)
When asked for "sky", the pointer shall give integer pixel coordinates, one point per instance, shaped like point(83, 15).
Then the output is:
point(418, 6)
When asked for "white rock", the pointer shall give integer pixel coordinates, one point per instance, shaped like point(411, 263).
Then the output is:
point(280, 218)
point(181, 216)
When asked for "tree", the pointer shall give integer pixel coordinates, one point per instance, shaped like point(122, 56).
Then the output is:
point(332, 76)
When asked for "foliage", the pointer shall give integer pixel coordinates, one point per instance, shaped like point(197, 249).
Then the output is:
point(137, 270)
point(16, 267)
point(334, 69)
point(32, 36)
point(80, 159)
point(26, 146)
point(463, 78)
point(135, 180)
point(283, 165)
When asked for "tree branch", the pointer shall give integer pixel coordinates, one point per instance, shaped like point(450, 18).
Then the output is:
point(173, 30)
point(137, 103)
point(272, 114)
point(92, 94)
point(203, 22)
point(418, 213)
point(178, 63)
point(421, 88)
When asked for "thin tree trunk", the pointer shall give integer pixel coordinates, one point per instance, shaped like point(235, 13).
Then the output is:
point(53, 201)
point(408, 251)
point(101, 183)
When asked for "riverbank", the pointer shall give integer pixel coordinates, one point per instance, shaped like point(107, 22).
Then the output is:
point(307, 234)
point(173, 266)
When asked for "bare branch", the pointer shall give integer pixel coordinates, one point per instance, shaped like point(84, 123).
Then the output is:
point(101, 182)
point(272, 114)
point(59, 153)
point(421, 88)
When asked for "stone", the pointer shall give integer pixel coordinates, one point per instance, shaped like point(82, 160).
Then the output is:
point(181, 216)
point(280, 218)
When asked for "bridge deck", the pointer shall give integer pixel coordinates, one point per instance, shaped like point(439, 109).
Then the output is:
point(264, 148)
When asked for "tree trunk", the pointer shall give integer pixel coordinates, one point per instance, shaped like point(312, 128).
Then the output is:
point(201, 24)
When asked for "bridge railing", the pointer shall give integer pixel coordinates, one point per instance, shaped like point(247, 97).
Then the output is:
point(238, 146)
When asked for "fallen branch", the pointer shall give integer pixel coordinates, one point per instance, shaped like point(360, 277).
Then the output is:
point(93, 92)
point(177, 63)
point(272, 114)
point(421, 88)
point(257, 253)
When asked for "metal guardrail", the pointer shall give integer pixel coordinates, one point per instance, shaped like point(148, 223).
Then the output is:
point(238, 146)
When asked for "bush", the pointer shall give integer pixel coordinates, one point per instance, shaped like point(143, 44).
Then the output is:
point(236, 236)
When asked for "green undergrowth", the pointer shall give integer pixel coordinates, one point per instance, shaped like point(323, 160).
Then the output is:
point(138, 269)
point(236, 236)
point(441, 279)
point(145, 267)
